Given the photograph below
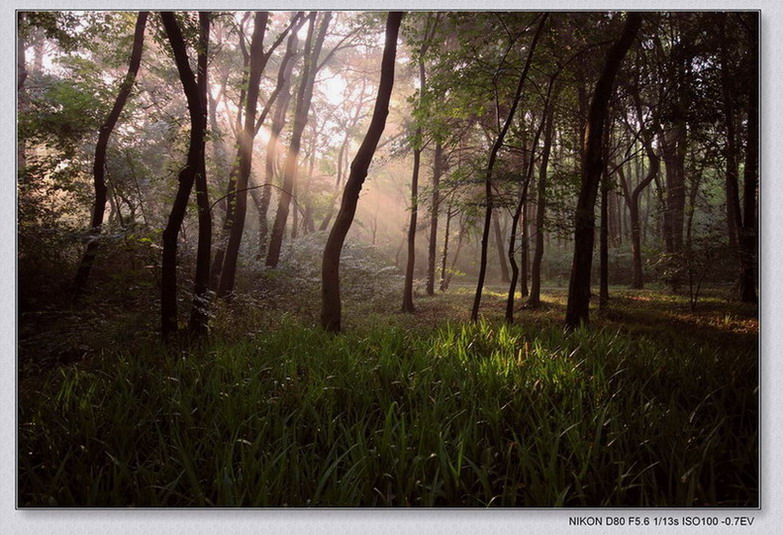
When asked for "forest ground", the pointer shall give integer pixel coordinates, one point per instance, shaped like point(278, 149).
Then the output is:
point(654, 404)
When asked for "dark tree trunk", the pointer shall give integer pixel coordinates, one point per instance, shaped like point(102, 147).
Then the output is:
point(490, 166)
point(733, 212)
point(603, 292)
point(499, 241)
point(445, 254)
point(331, 313)
point(230, 197)
point(577, 309)
point(99, 164)
point(410, 264)
point(258, 60)
point(450, 272)
point(187, 176)
point(524, 247)
point(748, 232)
point(520, 212)
point(278, 123)
point(674, 157)
point(199, 315)
point(303, 101)
point(434, 207)
point(633, 197)
point(535, 277)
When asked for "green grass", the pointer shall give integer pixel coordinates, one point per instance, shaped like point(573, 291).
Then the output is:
point(441, 414)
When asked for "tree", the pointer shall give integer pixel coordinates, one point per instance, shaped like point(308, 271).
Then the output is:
point(748, 233)
point(534, 299)
point(434, 206)
point(187, 175)
point(99, 165)
point(290, 167)
point(632, 196)
point(258, 60)
point(331, 314)
point(577, 309)
point(490, 166)
point(278, 123)
point(199, 316)
point(417, 142)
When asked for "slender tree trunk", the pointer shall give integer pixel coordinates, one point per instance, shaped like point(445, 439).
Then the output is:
point(331, 313)
point(534, 299)
point(99, 164)
point(308, 225)
point(524, 252)
point(499, 241)
point(577, 309)
point(633, 196)
point(445, 254)
point(230, 200)
point(748, 232)
point(258, 60)
point(407, 294)
point(490, 166)
point(733, 212)
point(199, 316)
point(460, 242)
point(303, 101)
point(434, 207)
point(603, 292)
point(186, 176)
point(278, 123)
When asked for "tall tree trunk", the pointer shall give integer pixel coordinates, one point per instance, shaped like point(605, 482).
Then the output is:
point(633, 196)
point(99, 164)
point(445, 253)
point(410, 263)
point(230, 197)
point(524, 252)
point(460, 242)
point(308, 224)
point(490, 166)
point(673, 144)
point(603, 292)
point(199, 315)
point(748, 232)
point(577, 309)
point(407, 291)
point(434, 207)
point(303, 101)
point(331, 313)
point(733, 212)
point(534, 299)
point(258, 60)
point(278, 123)
point(187, 176)
point(521, 213)
point(499, 242)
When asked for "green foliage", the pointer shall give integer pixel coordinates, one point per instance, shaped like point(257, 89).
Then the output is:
point(474, 415)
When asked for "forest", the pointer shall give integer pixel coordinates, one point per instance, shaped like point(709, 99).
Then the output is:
point(303, 259)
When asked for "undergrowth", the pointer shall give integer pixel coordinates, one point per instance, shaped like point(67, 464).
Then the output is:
point(468, 415)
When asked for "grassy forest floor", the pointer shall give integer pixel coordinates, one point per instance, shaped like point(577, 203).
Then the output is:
point(655, 404)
